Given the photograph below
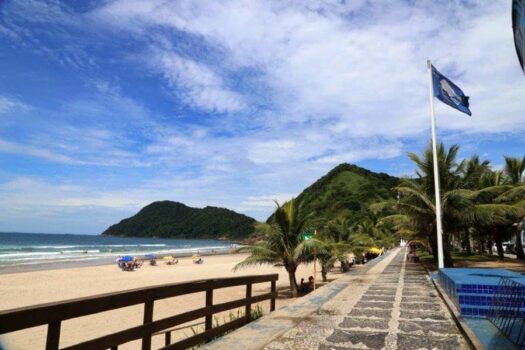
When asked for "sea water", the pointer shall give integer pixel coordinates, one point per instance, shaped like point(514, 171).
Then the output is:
point(34, 251)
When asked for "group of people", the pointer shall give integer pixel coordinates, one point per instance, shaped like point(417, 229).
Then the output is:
point(130, 265)
point(171, 260)
point(412, 252)
point(307, 287)
point(127, 263)
point(197, 259)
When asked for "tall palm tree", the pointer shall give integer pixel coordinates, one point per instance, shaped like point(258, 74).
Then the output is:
point(417, 198)
point(514, 169)
point(472, 171)
point(491, 216)
point(514, 195)
point(282, 243)
point(491, 178)
point(338, 238)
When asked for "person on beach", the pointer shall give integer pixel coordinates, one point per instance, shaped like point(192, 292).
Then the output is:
point(310, 284)
point(172, 260)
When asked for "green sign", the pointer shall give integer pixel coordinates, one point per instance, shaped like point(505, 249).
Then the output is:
point(306, 236)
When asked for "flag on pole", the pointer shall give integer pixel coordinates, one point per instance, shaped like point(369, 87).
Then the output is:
point(518, 25)
point(449, 93)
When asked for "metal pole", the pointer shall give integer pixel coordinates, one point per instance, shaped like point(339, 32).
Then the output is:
point(439, 227)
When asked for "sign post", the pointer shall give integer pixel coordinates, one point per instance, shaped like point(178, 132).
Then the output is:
point(315, 263)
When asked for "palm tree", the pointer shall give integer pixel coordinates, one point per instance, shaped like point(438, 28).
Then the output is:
point(514, 169)
point(491, 178)
point(514, 195)
point(490, 216)
point(282, 243)
point(334, 242)
point(417, 198)
point(472, 172)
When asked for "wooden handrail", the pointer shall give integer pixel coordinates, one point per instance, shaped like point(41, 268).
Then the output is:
point(52, 314)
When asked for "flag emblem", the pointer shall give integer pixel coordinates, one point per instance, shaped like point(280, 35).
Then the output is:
point(448, 92)
point(518, 24)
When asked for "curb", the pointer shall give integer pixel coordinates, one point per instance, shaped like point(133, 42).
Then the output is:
point(472, 341)
point(259, 333)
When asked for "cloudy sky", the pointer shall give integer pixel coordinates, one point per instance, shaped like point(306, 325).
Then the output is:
point(106, 106)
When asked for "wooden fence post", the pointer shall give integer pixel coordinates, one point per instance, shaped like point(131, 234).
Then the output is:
point(148, 317)
point(248, 310)
point(272, 301)
point(53, 335)
point(208, 323)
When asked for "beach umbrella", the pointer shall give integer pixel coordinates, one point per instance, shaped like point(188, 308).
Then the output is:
point(150, 256)
point(126, 258)
point(167, 257)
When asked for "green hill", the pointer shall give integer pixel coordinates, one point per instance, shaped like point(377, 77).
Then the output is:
point(346, 190)
point(169, 219)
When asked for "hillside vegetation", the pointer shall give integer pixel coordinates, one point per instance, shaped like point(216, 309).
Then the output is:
point(346, 191)
point(169, 219)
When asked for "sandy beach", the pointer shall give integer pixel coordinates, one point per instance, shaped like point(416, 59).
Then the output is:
point(30, 288)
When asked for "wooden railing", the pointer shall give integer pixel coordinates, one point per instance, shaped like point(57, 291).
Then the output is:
point(52, 314)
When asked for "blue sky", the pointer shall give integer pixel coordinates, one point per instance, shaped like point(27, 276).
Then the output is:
point(106, 106)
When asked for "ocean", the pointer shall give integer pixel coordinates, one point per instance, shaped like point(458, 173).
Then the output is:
point(31, 251)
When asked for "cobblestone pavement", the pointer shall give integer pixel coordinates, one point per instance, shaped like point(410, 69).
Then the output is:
point(398, 309)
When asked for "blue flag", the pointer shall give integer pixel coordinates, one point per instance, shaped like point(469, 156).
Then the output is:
point(518, 24)
point(449, 93)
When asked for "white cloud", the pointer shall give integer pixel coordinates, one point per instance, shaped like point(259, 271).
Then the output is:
point(35, 151)
point(265, 203)
point(200, 85)
point(9, 104)
point(362, 64)
point(281, 90)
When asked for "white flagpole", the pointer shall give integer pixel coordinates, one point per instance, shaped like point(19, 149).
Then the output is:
point(436, 169)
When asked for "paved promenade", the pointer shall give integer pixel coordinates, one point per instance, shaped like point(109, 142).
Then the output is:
point(392, 305)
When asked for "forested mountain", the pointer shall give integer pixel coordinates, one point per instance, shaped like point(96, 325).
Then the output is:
point(347, 190)
point(169, 219)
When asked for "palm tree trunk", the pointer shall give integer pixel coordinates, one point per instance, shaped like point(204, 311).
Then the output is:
point(467, 241)
point(481, 248)
point(447, 256)
point(324, 272)
point(433, 247)
point(499, 245)
point(291, 276)
point(519, 246)
point(490, 243)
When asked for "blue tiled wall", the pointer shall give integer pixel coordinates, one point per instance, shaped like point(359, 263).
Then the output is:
point(472, 289)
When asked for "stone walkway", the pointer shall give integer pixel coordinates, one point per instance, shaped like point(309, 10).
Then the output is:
point(398, 308)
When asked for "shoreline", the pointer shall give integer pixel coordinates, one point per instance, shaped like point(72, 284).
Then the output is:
point(66, 265)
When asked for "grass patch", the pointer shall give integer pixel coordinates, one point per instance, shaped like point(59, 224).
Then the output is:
point(462, 259)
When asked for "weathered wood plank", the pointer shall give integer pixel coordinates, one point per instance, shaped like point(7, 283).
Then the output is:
point(248, 308)
point(162, 324)
point(273, 290)
point(53, 336)
point(148, 318)
point(32, 316)
point(209, 303)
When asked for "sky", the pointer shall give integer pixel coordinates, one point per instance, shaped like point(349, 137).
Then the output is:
point(106, 106)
